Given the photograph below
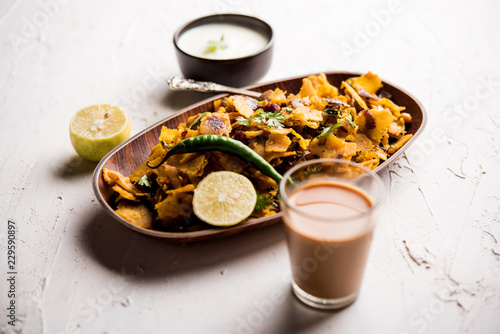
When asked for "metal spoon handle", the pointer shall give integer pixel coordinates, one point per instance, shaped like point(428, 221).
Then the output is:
point(180, 83)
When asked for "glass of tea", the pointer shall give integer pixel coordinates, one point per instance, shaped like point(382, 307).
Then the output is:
point(329, 209)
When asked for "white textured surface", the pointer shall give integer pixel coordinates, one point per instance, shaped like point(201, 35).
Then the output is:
point(435, 259)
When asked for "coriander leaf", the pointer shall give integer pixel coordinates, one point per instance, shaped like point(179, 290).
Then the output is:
point(329, 129)
point(143, 181)
point(211, 48)
point(273, 119)
point(216, 45)
point(245, 121)
point(262, 202)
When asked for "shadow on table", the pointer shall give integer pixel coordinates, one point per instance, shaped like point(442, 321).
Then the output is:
point(284, 315)
point(133, 254)
point(73, 166)
point(297, 317)
point(300, 318)
point(138, 256)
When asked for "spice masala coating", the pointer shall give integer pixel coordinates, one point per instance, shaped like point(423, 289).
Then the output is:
point(350, 122)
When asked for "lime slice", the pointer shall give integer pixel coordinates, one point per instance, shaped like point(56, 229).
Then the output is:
point(97, 129)
point(224, 198)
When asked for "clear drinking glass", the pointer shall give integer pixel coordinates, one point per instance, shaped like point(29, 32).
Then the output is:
point(329, 209)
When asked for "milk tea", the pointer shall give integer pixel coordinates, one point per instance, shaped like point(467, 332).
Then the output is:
point(328, 257)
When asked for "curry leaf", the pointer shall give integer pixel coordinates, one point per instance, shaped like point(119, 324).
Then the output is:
point(197, 120)
point(329, 129)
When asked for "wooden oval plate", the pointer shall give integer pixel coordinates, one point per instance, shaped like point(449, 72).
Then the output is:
point(132, 153)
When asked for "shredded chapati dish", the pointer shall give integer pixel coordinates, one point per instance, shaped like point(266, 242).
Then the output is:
point(354, 122)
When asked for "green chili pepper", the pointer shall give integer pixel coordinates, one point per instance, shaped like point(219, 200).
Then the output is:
point(222, 144)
